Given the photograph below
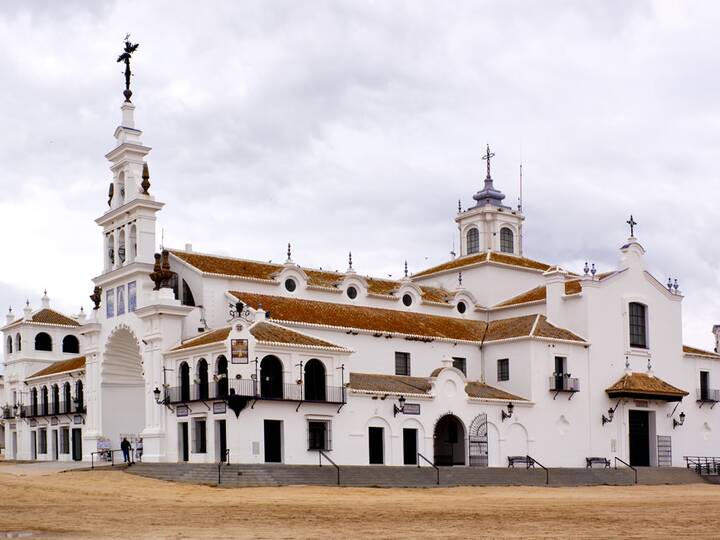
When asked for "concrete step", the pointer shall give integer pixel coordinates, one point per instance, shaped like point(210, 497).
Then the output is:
point(408, 476)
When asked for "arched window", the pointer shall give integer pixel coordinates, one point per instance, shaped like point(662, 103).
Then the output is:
point(638, 325)
point(18, 342)
point(43, 342)
point(507, 240)
point(55, 399)
point(121, 247)
point(271, 378)
point(43, 401)
point(8, 347)
point(202, 379)
point(222, 376)
point(33, 402)
point(473, 241)
point(110, 250)
point(66, 400)
point(314, 380)
point(70, 344)
point(184, 382)
point(79, 397)
point(132, 243)
point(187, 296)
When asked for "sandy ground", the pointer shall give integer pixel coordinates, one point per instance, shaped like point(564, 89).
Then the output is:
point(113, 504)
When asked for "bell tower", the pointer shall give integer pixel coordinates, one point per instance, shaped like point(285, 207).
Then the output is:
point(489, 225)
point(128, 225)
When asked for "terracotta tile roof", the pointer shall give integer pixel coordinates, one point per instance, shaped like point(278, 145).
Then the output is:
point(540, 294)
point(214, 336)
point(226, 266)
point(365, 318)
point(477, 389)
point(528, 326)
point(389, 384)
point(73, 364)
point(693, 351)
point(397, 384)
point(272, 333)
point(485, 257)
point(645, 385)
point(50, 316)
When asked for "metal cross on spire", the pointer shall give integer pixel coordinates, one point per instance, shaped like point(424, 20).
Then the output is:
point(487, 157)
point(632, 224)
point(130, 48)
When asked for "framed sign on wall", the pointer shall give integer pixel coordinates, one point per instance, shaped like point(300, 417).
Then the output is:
point(239, 351)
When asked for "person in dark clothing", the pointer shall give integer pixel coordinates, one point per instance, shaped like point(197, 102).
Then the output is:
point(125, 447)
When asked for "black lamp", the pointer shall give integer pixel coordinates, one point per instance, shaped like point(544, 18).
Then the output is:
point(401, 408)
point(680, 422)
point(509, 413)
point(609, 418)
point(157, 395)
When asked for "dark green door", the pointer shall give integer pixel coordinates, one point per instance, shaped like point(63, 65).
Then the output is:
point(639, 439)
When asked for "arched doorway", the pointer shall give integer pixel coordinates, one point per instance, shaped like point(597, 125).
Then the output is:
point(271, 378)
point(184, 375)
point(222, 376)
point(449, 441)
point(123, 390)
point(203, 382)
point(314, 381)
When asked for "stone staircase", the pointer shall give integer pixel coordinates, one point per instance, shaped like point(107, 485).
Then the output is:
point(237, 475)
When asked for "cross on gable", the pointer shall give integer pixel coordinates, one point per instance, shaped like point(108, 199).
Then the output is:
point(632, 224)
point(487, 157)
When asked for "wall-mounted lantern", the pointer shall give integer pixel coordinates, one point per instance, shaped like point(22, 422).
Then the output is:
point(609, 418)
point(680, 422)
point(509, 413)
point(401, 408)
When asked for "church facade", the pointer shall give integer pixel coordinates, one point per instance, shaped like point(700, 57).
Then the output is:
point(489, 356)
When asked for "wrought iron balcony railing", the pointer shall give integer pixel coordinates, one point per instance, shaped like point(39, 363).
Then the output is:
point(255, 390)
point(561, 383)
point(52, 409)
point(708, 395)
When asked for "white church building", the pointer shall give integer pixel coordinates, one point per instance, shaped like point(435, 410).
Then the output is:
point(485, 357)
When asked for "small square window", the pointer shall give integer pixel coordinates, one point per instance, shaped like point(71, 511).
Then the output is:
point(402, 363)
point(319, 435)
point(503, 369)
point(460, 364)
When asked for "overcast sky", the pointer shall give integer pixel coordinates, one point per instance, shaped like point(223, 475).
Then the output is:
point(356, 126)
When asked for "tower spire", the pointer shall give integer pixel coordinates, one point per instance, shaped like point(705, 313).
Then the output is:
point(125, 56)
point(488, 195)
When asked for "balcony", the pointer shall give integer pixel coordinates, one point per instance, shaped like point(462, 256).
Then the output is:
point(254, 390)
point(564, 383)
point(708, 395)
point(52, 409)
point(7, 412)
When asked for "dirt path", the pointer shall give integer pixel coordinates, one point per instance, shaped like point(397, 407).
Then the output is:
point(112, 504)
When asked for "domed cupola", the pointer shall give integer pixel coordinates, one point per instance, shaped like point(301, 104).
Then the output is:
point(489, 195)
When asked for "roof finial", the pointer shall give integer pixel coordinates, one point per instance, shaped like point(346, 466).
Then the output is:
point(125, 57)
point(406, 270)
point(289, 253)
point(145, 179)
point(487, 157)
point(27, 302)
point(350, 260)
point(632, 224)
point(460, 278)
point(459, 206)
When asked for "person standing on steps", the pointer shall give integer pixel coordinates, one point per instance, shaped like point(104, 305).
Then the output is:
point(125, 447)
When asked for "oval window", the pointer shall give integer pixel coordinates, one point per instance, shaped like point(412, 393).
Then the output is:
point(290, 285)
point(461, 307)
point(407, 299)
point(352, 293)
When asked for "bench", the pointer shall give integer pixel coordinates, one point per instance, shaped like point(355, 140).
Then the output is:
point(522, 460)
point(590, 461)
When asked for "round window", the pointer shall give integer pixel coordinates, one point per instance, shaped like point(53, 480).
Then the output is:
point(461, 307)
point(352, 293)
point(290, 284)
point(407, 299)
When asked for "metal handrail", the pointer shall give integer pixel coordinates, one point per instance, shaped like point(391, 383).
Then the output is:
point(699, 463)
point(112, 456)
point(627, 465)
point(226, 461)
point(437, 469)
point(321, 455)
point(533, 461)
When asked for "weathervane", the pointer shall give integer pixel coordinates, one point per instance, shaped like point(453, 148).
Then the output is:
point(632, 224)
point(130, 48)
point(487, 157)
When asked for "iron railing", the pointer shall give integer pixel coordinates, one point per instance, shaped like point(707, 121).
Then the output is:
point(252, 389)
point(321, 455)
point(627, 465)
point(532, 462)
point(52, 409)
point(561, 383)
point(708, 395)
point(7, 412)
point(437, 469)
